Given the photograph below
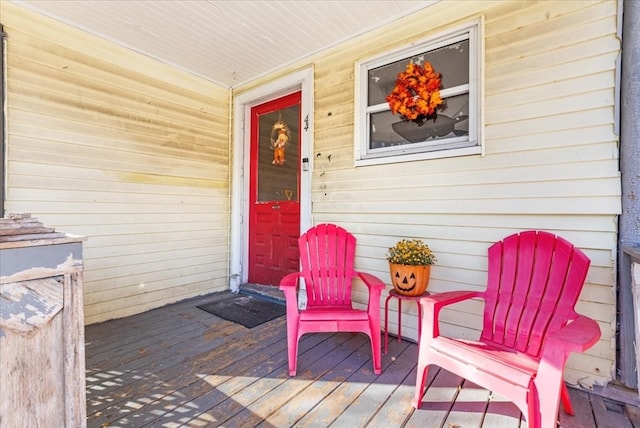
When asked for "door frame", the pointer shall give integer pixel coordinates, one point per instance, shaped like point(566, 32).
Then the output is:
point(298, 81)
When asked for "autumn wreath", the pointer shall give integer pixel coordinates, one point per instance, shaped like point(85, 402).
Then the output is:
point(416, 94)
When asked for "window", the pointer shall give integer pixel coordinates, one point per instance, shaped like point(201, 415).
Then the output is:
point(382, 137)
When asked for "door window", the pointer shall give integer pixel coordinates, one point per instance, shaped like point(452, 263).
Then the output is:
point(278, 155)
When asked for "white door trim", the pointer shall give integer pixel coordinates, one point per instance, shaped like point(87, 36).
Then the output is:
point(299, 81)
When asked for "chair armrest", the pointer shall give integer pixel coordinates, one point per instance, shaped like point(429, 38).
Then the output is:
point(433, 303)
point(289, 280)
point(375, 286)
point(289, 286)
point(577, 336)
point(371, 281)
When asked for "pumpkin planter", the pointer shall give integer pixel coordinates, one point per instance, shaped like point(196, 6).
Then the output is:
point(410, 280)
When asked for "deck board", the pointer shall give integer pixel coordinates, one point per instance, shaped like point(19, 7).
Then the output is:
point(609, 414)
point(210, 383)
point(179, 366)
point(470, 406)
point(502, 413)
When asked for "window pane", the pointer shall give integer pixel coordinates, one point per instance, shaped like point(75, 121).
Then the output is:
point(382, 137)
point(452, 61)
point(388, 130)
point(278, 182)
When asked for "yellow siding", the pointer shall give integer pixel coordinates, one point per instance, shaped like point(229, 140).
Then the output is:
point(550, 162)
point(132, 153)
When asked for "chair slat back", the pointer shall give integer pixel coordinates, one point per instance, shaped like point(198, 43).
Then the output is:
point(327, 254)
point(534, 281)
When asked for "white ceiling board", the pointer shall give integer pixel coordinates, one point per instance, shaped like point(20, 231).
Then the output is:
point(227, 42)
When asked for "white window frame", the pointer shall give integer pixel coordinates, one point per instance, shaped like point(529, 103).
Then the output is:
point(473, 144)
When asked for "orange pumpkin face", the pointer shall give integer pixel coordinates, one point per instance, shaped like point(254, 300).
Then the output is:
point(409, 280)
point(404, 282)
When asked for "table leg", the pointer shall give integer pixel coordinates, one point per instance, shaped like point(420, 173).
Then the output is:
point(399, 320)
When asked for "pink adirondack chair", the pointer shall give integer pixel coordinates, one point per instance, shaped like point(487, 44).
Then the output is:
point(327, 254)
point(529, 326)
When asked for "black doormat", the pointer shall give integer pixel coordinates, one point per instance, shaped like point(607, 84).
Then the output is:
point(246, 310)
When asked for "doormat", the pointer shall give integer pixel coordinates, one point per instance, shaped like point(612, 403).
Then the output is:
point(246, 310)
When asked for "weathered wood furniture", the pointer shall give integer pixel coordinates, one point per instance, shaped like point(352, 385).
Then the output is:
point(327, 254)
point(41, 326)
point(634, 254)
point(529, 326)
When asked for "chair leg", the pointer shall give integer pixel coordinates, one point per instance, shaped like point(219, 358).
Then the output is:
point(566, 400)
point(533, 413)
point(376, 352)
point(292, 347)
point(293, 358)
point(421, 379)
point(547, 405)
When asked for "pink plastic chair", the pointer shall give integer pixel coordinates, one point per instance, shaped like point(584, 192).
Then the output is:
point(529, 326)
point(327, 254)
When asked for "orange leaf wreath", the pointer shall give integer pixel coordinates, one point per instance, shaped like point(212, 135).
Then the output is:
point(416, 94)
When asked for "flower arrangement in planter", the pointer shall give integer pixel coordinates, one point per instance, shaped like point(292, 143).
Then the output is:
point(416, 95)
point(412, 252)
point(410, 266)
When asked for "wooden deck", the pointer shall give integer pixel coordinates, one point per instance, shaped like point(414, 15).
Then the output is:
point(181, 366)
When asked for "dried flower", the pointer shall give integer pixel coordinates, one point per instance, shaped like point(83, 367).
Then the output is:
point(416, 94)
point(411, 252)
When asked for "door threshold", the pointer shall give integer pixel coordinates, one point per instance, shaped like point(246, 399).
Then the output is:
point(267, 292)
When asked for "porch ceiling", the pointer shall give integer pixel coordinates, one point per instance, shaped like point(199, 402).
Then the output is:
point(225, 41)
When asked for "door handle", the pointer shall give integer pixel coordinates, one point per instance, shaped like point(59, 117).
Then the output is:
point(275, 207)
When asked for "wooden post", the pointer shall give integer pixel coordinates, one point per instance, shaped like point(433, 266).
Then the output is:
point(42, 358)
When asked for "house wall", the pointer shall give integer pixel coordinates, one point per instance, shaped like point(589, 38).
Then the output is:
point(132, 153)
point(550, 157)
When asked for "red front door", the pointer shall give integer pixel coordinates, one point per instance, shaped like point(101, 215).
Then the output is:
point(274, 211)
